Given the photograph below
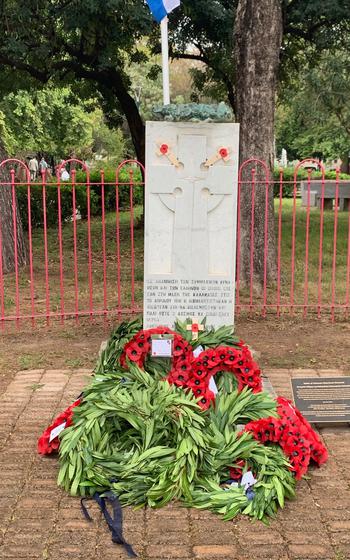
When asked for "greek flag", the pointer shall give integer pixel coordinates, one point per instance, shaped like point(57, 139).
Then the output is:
point(161, 8)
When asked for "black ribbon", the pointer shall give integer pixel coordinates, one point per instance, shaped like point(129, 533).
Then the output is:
point(115, 523)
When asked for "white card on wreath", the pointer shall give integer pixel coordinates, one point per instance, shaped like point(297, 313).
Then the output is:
point(197, 351)
point(248, 480)
point(162, 348)
point(56, 431)
point(212, 386)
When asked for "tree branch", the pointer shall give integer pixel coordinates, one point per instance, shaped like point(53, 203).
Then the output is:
point(31, 70)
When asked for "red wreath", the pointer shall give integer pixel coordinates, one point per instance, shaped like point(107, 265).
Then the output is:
point(193, 372)
point(45, 446)
point(294, 434)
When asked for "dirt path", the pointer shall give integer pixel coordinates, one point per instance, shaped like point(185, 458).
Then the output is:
point(279, 343)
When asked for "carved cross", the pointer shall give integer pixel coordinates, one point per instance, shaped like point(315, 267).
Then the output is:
point(190, 190)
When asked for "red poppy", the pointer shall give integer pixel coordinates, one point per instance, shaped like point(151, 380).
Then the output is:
point(178, 377)
point(183, 365)
point(210, 358)
point(237, 469)
point(207, 398)
point(180, 346)
point(45, 446)
point(198, 386)
point(199, 372)
point(234, 358)
point(222, 352)
point(133, 352)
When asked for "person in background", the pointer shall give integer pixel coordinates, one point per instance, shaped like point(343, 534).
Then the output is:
point(43, 166)
point(33, 168)
point(64, 175)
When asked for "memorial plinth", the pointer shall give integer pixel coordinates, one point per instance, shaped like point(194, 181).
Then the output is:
point(190, 222)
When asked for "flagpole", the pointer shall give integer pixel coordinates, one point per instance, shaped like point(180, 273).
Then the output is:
point(165, 60)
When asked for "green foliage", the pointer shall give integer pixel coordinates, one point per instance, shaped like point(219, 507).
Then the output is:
point(36, 199)
point(56, 122)
point(308, 29)
point(73, 50)
point(110, 189)
point(314, 115)
point(302, 175)
point(150, 442)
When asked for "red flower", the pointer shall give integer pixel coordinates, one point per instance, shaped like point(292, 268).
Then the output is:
point(179, 378)
point(133, 352)
point(183, 365)
point(222, 352)
point(199, 387)
point(45, 446)
point(180, 346)
point(234, 358)
point(205, 401)
point(210, 358)
point(236, 470)
point(199, 372)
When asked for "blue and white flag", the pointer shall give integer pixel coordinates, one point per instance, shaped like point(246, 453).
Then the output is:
point(161, 8)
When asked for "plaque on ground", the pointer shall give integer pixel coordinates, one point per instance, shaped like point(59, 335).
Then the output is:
point(323, 399)
point(190, 222)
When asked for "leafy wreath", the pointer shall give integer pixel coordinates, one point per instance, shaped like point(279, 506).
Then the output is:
point(144, 433)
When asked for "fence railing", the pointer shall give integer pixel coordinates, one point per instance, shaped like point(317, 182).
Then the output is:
point(84, 242)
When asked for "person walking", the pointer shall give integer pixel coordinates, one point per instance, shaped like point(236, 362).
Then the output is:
point(33, 168)
point(43, 166)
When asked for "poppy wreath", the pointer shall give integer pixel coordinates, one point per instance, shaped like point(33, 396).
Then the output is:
point(138, 430)
point(293, 433)
point(46, 446)
point(192, 371)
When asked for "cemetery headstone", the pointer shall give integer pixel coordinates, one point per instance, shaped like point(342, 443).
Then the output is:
point(190, 222)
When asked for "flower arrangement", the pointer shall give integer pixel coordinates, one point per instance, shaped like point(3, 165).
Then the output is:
point(194, 372)
point(294, 434)
point(150, 429)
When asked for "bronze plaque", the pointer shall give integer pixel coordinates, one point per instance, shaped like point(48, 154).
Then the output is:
point(322, 399)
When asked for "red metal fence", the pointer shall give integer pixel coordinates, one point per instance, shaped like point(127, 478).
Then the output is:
point(84, 239)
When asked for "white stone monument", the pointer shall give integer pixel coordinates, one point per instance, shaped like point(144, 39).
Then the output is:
point(190, 222)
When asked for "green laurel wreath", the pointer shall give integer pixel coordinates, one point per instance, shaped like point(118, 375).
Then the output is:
point(150, 443)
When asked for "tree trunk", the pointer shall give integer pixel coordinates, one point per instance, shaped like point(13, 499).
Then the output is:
point(6, 225)
point(132, 115)
point(257, 43)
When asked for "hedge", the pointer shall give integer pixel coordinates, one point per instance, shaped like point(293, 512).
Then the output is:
point(302, 175)
point(36, 198)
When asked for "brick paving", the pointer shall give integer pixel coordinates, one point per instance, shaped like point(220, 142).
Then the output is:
point(38, 520)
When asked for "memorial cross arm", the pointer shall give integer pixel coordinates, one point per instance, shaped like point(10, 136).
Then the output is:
point(164, 150)
point(222, 153)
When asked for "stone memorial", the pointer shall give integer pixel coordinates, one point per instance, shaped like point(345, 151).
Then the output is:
point(190, 222)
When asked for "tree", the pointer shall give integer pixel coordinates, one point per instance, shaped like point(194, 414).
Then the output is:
point(258, 37)
point(54, 121)
point(315, 120)
point(87, 44)
point(8, 231)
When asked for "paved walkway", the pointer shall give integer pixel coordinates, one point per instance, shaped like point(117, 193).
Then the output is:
point(38, 520)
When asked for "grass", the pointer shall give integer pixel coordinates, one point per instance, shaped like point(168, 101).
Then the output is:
point(300, 293)
point(306, 286)
point(31, 361)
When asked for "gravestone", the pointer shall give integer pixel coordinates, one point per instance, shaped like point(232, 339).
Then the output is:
point(190, 222)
